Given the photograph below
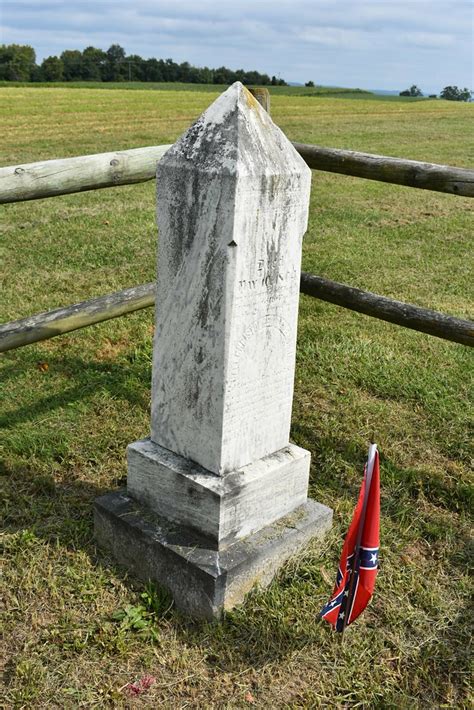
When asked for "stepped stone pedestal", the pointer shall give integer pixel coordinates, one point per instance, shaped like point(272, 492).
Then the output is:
point(216, 498)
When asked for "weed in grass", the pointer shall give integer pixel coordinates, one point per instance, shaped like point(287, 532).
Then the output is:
point(143, 618)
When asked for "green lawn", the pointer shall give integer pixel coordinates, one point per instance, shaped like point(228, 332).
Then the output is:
point(72, 404)
point(334, 91)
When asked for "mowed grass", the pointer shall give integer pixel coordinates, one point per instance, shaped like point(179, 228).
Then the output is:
point(77, 628)
point(181, 86)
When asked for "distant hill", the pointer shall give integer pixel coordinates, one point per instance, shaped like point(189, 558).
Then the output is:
point(384, 92)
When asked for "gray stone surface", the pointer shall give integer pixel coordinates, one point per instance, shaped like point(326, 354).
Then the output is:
point(224, 508)
point(233, 198)
point(217, 497)
point(202, 580)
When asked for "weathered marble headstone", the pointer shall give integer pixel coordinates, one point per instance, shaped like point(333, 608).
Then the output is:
point(217, 497)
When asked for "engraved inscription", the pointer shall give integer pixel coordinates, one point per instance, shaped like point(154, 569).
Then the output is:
point(261, 377)
point(269, 273)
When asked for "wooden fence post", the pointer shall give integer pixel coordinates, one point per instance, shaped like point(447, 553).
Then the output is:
point(217, 497)
point(263, 97)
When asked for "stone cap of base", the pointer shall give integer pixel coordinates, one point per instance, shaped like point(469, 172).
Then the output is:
point(223, 508)
point(219, 485)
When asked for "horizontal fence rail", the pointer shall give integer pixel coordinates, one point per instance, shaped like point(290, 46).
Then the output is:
point(50, 178)
point(388, 309)
point(64, 320)
point(410, 173)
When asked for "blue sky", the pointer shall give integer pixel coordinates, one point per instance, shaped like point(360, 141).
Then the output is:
point(382, 44)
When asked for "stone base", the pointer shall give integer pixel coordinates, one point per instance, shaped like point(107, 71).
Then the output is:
point(223, 508)
point(203, 581)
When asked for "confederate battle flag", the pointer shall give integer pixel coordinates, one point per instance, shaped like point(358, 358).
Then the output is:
point(358, 566)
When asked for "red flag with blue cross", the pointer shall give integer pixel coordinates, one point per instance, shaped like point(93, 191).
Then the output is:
point(358, 565)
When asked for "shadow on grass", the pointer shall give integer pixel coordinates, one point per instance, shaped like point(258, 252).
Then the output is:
point(121, 379)
point(62, 515)
point(442, 491)
point(264, 629)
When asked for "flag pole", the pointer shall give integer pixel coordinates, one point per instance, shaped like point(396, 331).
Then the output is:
point(355, 560)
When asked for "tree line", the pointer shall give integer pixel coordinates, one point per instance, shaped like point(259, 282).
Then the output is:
point(18, 63)
point(449, 93)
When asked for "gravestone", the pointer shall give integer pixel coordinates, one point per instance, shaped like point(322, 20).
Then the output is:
point(216, 498)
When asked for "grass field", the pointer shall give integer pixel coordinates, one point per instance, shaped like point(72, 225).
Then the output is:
point(181, 86)
point(77, 629)
point(315, 91)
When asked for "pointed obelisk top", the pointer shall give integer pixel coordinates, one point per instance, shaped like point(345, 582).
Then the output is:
point(235, 135)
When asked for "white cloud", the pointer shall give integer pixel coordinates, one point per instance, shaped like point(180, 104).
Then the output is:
point(337, 37)
point(432, 40)
point(368, 43)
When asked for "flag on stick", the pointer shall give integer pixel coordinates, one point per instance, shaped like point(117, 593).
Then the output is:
point(358, 565)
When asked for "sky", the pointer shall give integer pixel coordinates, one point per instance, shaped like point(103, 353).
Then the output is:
point(370, 44)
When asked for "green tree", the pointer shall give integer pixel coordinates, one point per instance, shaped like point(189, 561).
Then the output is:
point(412, 91)
point(184, 70)
point(222, 75)
point(453, 93)
point(310, 84)
point(135, 68)
point(205, 75)
point(93, 64)
point(52, 69)
point(17, 62)
point(153, 70)
point(72, 60)
point(115, 69)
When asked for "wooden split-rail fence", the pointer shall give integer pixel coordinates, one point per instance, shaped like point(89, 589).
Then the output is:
point(90, 172)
